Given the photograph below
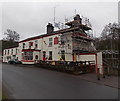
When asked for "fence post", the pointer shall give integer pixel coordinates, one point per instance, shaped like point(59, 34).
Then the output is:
point(108, 71)
point(103, 71)
point(98, 74)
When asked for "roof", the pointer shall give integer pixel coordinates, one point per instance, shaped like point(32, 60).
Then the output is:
point(11, 47)
point(54, 33)
point(68, 29)
point(38, 37)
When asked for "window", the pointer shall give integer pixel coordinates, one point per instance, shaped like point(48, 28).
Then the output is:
point(23, 45)
point(5, 52)
point(28, 55)
point(50, 41)
point(62, 40)
point(8, 52)
point(11, 51)
point(50, 55)
point(16, 50)
point(63, 55)
point(44, 53)
point(36, 57)
point(30, 44)
point(25, 56)
point(36, 43)
point(56, 40)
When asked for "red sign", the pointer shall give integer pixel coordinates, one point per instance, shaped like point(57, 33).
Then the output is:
point(56, 40)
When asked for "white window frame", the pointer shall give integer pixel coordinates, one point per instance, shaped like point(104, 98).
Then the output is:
point(50, 41)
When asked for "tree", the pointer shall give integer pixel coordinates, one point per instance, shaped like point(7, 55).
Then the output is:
point(109, 39)
point(7, 44)
point(11, 35)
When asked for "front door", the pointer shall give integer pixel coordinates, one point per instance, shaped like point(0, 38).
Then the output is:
point(44, 55)
point(74, 57)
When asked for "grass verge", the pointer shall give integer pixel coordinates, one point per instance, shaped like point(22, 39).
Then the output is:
point(4, 97)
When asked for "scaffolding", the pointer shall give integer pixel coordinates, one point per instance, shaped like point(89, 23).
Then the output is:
point(79, 37)
point(111, 61)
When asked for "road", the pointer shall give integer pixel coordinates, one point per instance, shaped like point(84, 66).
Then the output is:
point(38, 83)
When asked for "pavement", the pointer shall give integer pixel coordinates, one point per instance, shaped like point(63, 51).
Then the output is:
point(111, 81)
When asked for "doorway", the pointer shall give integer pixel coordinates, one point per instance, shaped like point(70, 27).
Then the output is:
point(44, 55)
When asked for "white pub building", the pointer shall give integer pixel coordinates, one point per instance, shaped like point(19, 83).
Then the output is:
point(69, 44)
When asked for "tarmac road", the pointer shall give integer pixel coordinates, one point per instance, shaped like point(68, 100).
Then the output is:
point(37, 83)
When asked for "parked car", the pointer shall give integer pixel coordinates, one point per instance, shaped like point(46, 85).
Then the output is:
point(14, 61)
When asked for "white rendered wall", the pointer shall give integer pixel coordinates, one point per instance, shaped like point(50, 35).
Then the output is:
point(45, 47)
point(36, 53)
point(13, 55)
point(90, 57)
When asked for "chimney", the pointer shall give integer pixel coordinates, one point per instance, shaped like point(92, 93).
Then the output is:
point(77, 17)
point(50, 28)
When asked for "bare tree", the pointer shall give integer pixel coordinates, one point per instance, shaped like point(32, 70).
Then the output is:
point(11, 35)
point(109, 37)
point(110, 31)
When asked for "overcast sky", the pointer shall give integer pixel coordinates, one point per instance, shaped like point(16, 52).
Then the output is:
point(30, 18)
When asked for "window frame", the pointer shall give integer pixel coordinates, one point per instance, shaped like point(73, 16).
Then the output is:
point(63, 54)
point(30, 45)
point(8, 52)
point(28, 55)
point(16, 50)
point(50, 55)
point(36, 43)
point(23, 46)
point(5, 52)
point(11, 51)
point(50, 41)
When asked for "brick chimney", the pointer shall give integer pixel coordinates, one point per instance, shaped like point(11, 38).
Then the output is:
point(77, 17)
point(50, 28)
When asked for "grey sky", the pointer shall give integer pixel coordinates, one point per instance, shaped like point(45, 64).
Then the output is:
point(31, 18)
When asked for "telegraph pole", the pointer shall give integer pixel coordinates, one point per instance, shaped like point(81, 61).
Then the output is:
point(54, 15)
point(75, 11)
